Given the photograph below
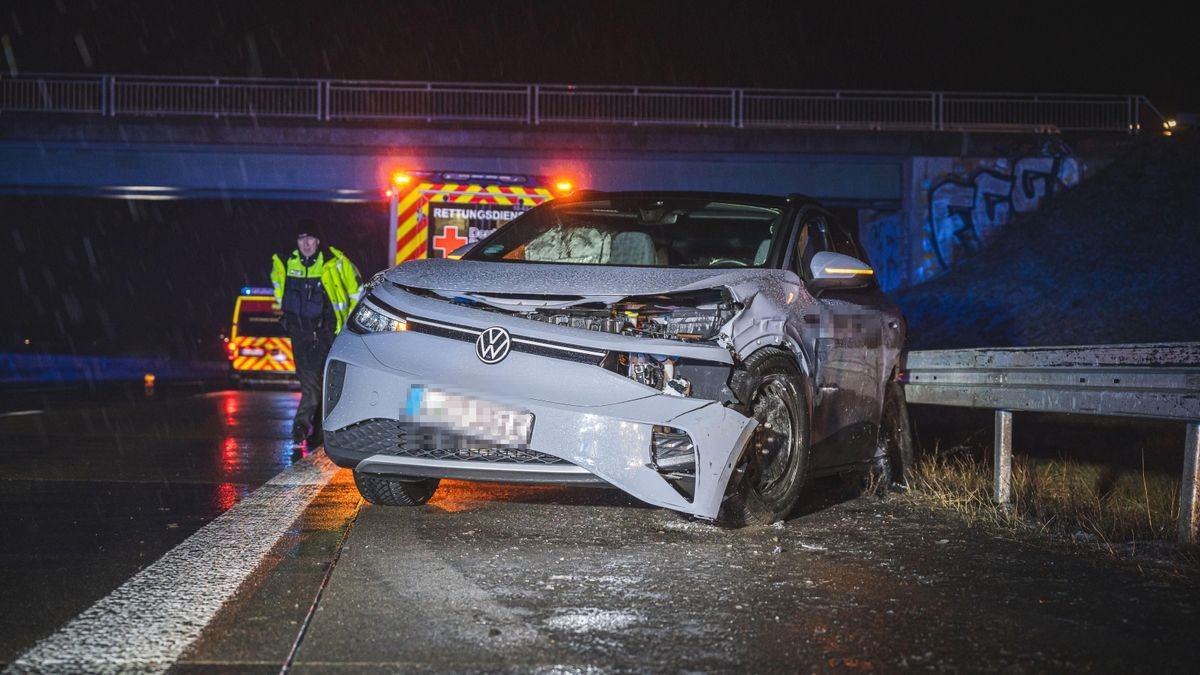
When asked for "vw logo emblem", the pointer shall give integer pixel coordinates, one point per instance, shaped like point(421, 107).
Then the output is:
point(493, 345)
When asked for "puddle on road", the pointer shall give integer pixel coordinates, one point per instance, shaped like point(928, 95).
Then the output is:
point(593, 619)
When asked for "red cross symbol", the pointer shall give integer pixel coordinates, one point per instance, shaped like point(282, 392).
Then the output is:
point(449, 240)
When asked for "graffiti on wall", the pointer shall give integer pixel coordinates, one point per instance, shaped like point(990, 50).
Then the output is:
point(966, 207)
point(881, 235)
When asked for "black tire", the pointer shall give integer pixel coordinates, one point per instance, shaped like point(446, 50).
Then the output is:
point(767, 480)
point(893, 462)
point(394, 491)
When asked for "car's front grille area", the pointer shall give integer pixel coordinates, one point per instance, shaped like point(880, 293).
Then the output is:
point(556, 350)
point(495, 455)
point(519, 344)
point(335, 379)
point(399, 439)
point(370, 437)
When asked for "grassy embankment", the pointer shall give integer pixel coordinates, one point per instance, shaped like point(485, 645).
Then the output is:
point(1121, 510)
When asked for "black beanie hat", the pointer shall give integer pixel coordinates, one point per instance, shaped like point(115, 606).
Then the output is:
point(307, 227)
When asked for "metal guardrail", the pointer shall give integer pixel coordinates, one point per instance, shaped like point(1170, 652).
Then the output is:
point(534, 104)
point(1157, 381)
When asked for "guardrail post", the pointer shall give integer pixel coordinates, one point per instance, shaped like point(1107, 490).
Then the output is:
point(537, 102)
point(1002, 471)
point(1189, 494)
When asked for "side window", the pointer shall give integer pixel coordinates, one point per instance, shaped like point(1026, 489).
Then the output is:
point(842, 243)
point(813, 237)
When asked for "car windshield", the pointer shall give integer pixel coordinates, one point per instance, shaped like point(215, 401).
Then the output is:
point(642, 232)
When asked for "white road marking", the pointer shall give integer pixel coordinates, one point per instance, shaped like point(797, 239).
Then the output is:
point(147, 623)
point(18, 413)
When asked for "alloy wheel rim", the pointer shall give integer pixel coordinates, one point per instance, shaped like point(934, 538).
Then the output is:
point(773, 440)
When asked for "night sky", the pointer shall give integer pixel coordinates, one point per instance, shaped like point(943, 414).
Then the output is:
point(1011, 46)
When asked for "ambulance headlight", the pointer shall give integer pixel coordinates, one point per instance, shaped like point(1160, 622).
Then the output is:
point(367, 319)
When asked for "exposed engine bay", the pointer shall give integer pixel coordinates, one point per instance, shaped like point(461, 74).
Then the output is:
point(694, 316)
point(691, 317)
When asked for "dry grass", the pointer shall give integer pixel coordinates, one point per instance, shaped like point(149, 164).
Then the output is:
point(1081, 501)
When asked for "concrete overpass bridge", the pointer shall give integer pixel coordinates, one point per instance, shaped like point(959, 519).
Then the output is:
point(929, 175)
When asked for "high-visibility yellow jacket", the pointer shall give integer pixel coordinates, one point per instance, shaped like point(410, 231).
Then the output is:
point(339, 278)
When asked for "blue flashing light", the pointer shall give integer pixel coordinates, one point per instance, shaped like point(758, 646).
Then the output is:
point(256, 290)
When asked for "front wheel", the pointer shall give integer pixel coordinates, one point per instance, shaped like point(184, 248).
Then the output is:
point(394, 491)
point(766, 482)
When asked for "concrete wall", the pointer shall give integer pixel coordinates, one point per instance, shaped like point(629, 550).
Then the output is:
point(925, 201)
point(223, 159)
point(954, 207)
point(326, 174)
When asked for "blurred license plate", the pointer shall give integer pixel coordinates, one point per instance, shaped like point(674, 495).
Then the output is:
point(471, 416)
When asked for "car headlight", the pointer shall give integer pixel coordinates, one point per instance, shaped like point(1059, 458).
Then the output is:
point(367, 319)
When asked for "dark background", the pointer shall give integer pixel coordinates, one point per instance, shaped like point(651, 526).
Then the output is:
point(152, 278)
point(94, 276)
point(1084, 47)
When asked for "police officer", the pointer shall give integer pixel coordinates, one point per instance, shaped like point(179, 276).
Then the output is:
point(316, 287)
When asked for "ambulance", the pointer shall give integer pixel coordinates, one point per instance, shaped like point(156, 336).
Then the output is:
point(435, 213)
point(257, 347)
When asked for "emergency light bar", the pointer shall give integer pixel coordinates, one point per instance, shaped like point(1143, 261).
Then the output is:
point(256, 290)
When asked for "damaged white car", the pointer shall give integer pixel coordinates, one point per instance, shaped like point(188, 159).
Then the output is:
point(703, 352)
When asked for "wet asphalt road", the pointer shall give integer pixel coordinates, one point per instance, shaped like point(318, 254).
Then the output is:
point(497, 578)
point(521, 579)
point(95, 485)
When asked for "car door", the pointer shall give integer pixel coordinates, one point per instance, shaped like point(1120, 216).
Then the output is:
point(846, 331)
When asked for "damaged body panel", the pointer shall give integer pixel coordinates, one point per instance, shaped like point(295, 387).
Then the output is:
point(618, 339)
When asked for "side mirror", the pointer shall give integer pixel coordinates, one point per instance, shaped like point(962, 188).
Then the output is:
point(835, 270)
point(460, 251)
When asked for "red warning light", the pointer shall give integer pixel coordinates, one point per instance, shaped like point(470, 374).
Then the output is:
point(563, 186)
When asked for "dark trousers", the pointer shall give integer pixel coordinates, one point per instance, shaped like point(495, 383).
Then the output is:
point(310, 348)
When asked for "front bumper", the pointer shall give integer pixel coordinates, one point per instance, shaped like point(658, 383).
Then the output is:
point(590, 425)
point(287, 377)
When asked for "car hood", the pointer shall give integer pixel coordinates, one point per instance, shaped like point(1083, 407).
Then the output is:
point(592, 281)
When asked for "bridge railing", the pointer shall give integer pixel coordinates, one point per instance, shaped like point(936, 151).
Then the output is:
point(535, 104)
point(673, 106)
point(428, 101)
point(53, 93)
point(1044, 112)
point(213, 97)
point(907, 111)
